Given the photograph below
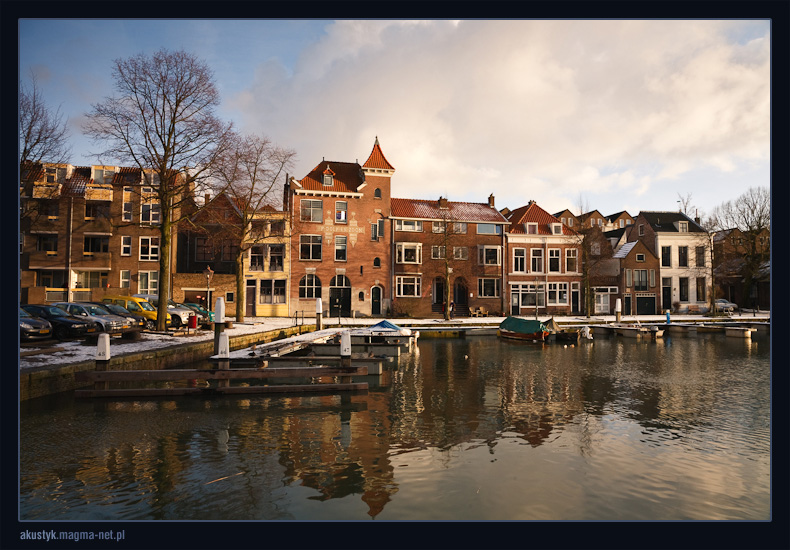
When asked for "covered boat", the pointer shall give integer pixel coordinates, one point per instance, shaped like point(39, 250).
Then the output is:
point(529, 330)
point(557, 334)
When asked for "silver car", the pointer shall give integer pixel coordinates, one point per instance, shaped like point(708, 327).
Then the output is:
point(179, 315)
point(105, 321)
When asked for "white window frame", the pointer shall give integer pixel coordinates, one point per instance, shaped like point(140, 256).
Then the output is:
point(438, 252)
point(403, 280)
point(400, 252)
point(497, 229)
point(152, 282)
point(125, 278)
point(412, 226)
point(683, 227)
point(126, 245)
point(460, 253)
point(536, 256)
point(126, 206)
point(341, 213)
point(520, 257)
point(571, 254)
point(153, 249)
point(640, 258)
point(311, 207)
point(556, 228)
point(555, 255)
point(341, 245)
point(154, 214)
point(482, 254)
point(557, 294)
point(532, 228)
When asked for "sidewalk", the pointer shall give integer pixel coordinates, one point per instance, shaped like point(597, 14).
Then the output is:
point(62, 353)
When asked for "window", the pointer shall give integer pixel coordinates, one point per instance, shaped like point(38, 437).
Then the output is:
point(558, 294)
point(700, 256)
point(529, 294)
point(408, 225)
point(701, 289)
point(453, 228)
point(49, 208)
point(628, 282)
point(126, 246)
point(488, 288)
point(149, 248)
point(377, 262)
point(438, 252)
point(127, 204)
point(554, 260)
point(556, 228)
point(595, 249)
point(204, 252)
point(536, 265)
point(640, 257)
point(641, 230)
point(95, 245)
point(276, 257)
point(312, 211)
point(377, 193)
point(148, 282)
point(489, 229)
point(376, 230)
point(340, 248)
point(519, 260)
point(310, 247)
point(91, 279)
point(683, 286)
point(52, 279)
point(640, 279)
point(408, 253)
point(257, 255)
point(230, 297)
point(683, 256)
point(459, 228)
point(570, 222)
point(126, 278)
point(652, 278)
point(340, 281)
point(666, 256)
point(438, 227)
point(570, 260)
point(562, 220)
point(328, 180)
point(622, 223)
point(341, 211)
point(310, 287)
point(229, 251)
point(488, 255)
point(460, 253)
point(48, 244)
point(94, 210)
point(150, 211)
point(272, 291)
point(408, 286)
point(683, 227)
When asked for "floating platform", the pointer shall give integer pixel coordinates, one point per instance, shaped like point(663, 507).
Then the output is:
point(739, 332)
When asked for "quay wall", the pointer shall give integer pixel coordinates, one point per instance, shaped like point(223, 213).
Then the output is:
point(47, 380)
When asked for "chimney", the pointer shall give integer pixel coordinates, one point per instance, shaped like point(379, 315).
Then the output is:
point(491, 200)
point(208, 198)
point(442, 203)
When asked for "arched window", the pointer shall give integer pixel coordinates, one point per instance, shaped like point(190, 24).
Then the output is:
point(377, 193)
point(310, 287)
point(376, 262)
point(361, 295)
point(340, 281)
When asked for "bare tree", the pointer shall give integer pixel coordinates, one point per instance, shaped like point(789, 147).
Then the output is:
point(250, 171)
point(445, 233)
point(595, 252)
point(163, 122)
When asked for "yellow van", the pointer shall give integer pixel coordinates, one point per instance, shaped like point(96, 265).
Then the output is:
point(140, 306)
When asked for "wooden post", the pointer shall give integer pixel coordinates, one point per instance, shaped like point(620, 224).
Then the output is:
point(102, 359)
point(219, 322)
point(224, 358)
point(345, 354)
point(318, 313)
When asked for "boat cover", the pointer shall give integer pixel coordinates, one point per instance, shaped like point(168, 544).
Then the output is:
point(383, 328)
point(552, 326)
point(522, 326)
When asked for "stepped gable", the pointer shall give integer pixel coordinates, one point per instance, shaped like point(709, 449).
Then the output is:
point(456, 211)
point(532, 213)
point(377, 159)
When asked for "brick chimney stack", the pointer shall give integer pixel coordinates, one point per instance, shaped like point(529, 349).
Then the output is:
point(442, 202)
point(491, 200)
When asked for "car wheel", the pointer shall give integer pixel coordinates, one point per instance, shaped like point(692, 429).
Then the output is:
point(175, 321)
point(60, 333)
point(150, 324)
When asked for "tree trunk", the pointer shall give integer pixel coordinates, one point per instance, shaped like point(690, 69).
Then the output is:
point(241, 298)
point(165, 246)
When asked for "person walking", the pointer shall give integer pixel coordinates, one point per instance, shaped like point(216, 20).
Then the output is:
point(452, 310)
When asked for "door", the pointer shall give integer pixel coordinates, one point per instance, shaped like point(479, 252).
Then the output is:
point(515, 307)
point(375, 300)
point(575, 298)
point(645, 305)
point(627, 305)
point(460, 296)
point(340, 302)
point(666, 292)
point(251, 299)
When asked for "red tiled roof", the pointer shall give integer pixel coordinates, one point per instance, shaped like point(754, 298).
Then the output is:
point(75, 185)
point(347, 177)
point(377, 159)
point(456, 211)
point(532, 213)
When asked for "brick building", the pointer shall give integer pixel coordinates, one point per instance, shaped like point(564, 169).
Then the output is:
point(340, 239)
point(441, 245)
point(544, 265)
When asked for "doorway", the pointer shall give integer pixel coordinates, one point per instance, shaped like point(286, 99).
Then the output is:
point(251, 298)
point(375, 300)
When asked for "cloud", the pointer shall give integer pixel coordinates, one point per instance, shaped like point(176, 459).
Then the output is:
point(475, 107)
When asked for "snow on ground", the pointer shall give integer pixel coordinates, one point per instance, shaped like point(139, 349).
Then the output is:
point(51, 352)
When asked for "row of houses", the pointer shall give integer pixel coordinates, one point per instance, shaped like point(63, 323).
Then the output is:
point(342, 237)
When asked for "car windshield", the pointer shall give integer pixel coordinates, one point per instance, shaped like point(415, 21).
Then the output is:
point(115, 308)
point(96, 310)
point(146, 306)
point(23, 313)
point(55, 311)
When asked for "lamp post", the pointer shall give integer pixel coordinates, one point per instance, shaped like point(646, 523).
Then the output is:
point(208, 272)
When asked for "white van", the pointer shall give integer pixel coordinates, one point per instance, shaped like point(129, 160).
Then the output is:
point(178, 315)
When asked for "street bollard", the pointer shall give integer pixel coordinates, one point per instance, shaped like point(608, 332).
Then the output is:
point(668, 320)
point(318, 313)
point(345, 354)
point(219, 322)
point(102, 359)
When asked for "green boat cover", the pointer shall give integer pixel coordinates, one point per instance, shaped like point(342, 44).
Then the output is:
point(522, 326)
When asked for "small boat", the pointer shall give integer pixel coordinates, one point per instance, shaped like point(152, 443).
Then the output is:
point(527, 330)
point(557, 334)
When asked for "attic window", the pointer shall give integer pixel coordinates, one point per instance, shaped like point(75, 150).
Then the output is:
point(683, 227)
point(556, 228)
point(640, 257)
point(328, 180)
point(532, 228)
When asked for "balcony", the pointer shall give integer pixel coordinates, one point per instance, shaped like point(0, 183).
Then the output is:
point(98, 192)
point(46, 259)
point(46, 190)
point(92, 260)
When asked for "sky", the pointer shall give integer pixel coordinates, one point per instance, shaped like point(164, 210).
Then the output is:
point(610, 115)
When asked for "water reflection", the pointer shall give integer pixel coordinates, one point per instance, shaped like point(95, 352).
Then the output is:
point(602, 430)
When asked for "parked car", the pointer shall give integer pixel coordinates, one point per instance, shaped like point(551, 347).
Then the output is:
point(64, 325)
point(205, 315)
point(107, 322)
point(725, 305)
point(33, 328)
point(135, 322)
point(139, 306)
point(179, 315)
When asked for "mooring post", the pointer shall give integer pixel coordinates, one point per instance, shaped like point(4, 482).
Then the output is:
point(102, 359)
point(318, 313)
point(345, 354)
point(224, 358)
point(219, 322)
point(618, 307)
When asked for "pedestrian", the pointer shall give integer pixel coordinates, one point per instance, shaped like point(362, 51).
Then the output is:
point(452, 309)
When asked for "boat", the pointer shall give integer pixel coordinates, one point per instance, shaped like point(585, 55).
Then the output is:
point(557, 334)
point(527, 330)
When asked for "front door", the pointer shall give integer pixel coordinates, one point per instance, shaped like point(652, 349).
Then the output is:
point(251, 299)
point(515, 307)
point(340, 302)
point(575, 298)
point(460, 296)
point(375, 300)
point(666, 293)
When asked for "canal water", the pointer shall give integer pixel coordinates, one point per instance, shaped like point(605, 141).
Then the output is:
point(460, 429)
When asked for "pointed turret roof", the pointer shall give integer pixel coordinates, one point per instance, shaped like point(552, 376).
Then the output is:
point(376, 159)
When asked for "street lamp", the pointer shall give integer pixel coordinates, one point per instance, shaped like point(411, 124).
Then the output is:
point(208, 272)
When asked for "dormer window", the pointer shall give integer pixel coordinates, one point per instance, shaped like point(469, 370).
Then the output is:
point(683, 227)
point(556, 228)
point(532, 229)
point(328, 180)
